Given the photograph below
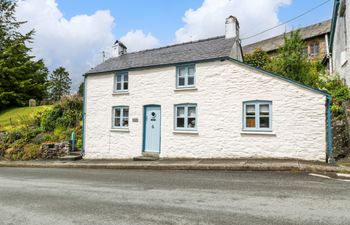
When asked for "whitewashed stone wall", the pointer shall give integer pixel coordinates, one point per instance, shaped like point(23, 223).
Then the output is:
point(340, 44)
point(298, 115)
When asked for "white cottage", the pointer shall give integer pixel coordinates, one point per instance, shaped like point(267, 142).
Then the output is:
point(199, 100)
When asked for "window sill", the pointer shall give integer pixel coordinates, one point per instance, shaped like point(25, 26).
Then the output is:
point(185, 89)
point(120, 130)
point(270, 133)
point(120, 93)
point(185, 132)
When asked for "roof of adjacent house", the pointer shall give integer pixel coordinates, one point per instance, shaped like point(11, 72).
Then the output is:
point(206, 49)
point(274, 43)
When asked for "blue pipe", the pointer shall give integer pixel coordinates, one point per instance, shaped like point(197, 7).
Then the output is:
point(329, 129)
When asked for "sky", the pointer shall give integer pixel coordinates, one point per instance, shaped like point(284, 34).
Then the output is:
point(73, 33)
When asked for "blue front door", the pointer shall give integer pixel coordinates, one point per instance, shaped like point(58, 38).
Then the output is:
point(152, 129)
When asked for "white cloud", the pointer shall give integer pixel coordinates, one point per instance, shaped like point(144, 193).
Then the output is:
point(209, 19)
point(136, 40)
point(76, 43)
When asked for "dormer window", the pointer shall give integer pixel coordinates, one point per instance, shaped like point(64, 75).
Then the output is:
point(185, 76)
point(121, 82)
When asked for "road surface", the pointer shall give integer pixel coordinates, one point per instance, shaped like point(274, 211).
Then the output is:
point(83, 196)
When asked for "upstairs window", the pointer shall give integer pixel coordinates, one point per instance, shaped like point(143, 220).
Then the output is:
point(257, 116)
point(185, 76)
point(121, 81)
point(314, 49)
point(186, 117)
point(120, 117)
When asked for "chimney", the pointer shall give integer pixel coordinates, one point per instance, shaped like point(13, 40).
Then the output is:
point(118, 49)
point(232, 32)
point(231, 28)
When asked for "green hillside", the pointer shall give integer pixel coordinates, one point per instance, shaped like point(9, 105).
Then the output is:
point(17, 118)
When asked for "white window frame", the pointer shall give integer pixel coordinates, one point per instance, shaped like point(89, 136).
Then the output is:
point(257, 104)
point(186, 76)
point(185, 106)
point(122, 117)
point(122, 74)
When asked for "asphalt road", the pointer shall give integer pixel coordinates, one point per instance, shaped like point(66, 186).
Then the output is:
point(74, 196)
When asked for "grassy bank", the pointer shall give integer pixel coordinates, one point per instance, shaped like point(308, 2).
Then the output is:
point(18, 118)
point(26, 129)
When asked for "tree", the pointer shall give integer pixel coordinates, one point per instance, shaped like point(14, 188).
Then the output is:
point(59, 84)
point(258, 58)
point(81, 89)
point(293, 64)
point(21, 77)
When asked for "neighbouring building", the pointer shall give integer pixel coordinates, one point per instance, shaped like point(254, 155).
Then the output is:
point(315, 37)
point(199, 100)
point(339, 46)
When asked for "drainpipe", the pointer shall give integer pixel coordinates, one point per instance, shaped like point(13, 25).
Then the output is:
point(83, 118)
point(329, 56)
point(329, 129)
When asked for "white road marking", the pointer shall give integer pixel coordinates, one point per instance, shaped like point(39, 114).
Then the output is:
point(327, 177)
point(343, 180)
point(319, 175)
point(343, 175)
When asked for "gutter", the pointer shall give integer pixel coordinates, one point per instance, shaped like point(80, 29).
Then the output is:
point(329, 129)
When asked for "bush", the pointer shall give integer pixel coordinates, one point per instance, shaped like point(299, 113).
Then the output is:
point(66, 113)
point(31, 151)
point(336, 86)
point(48, 120)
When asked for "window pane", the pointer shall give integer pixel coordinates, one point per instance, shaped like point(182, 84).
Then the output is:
point(191, 123)
point(126, 77)
point(264, 122)
point(119, 86)
point(250, 122)
point(264, 110)
point(180, 111)
point(125, 112)
point(125, 122)
point(182, 72)
point(191, 71)
point(117, 112)
point(317, 49)
point(180, 122)
point(190, 80)
point(117, 122)
point(191, 111)
point(119, 78)
point(250, 110)
point(181, 81)
point(126, 85)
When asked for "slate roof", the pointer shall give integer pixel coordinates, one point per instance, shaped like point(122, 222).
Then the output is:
point(274, 43)
point(206, 49)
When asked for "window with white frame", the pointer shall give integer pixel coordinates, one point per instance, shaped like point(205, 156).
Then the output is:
point(121, 81)
point(185, 76)
point(314, 49)
point(186, 117)
point(120, 117)
point(257, 115)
